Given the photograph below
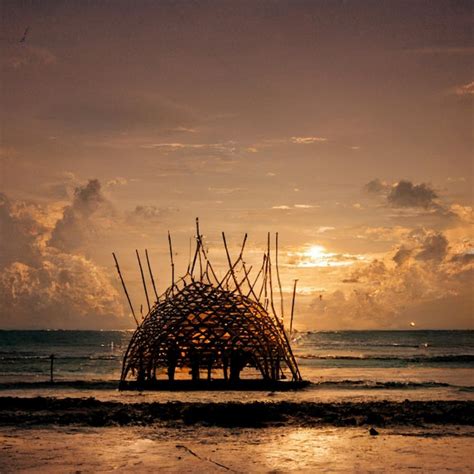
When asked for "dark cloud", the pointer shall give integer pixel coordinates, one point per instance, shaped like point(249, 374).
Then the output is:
point(434, 247)
point(464, 258)
point(407, 194)
point(76, 226)
point(150, 214)
point(376, 186)
point(403, 255)
point(404, 194)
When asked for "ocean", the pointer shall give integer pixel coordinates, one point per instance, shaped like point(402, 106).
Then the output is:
point(340, 364)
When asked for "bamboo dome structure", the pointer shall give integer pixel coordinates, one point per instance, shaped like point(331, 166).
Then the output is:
point(209, 325)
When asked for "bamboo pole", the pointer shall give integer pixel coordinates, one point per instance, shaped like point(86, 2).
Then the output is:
point(293, 307)
point(270, 281)
point(256, 280)
point(230, 261)
point(143, 281)
point(171, 258)
point(189, 256)
point(125, 288)
point(278, 278)
point(264, 275)
point(151, 276)
point(231, 267)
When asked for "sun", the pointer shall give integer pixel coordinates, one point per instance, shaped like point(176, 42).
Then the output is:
point(316, 252)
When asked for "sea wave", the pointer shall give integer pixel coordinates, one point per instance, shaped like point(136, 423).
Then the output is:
point(391, 384)
point(347, 384)
point(433, 358)
point(20, 357)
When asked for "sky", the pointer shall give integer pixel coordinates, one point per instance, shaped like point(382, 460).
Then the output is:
point(345, 126)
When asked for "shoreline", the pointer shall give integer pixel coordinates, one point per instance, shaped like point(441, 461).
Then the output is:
point(92, 412)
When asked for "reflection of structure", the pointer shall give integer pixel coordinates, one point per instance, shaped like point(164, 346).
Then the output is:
point(203, 323)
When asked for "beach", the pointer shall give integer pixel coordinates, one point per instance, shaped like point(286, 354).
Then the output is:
point(375, 401)
point(211, 449)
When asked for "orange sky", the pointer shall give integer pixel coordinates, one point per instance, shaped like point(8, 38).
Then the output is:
point(345, 126)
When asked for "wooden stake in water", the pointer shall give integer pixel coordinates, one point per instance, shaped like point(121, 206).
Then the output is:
point(51, 371)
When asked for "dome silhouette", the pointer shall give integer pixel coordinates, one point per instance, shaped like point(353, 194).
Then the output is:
point(203, 324)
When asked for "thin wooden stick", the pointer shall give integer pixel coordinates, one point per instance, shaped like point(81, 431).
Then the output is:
point(171, 258)
point(255, 281)
point(230, 261)
point(278, 278)
point(264, 275)
point(125, 288)
point(151, 276)
point(231, 269)
point(189, 257)
point(293, 307)
point(270, 281)
point(143, 280)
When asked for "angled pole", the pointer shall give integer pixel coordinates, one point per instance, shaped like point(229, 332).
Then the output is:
point(230, 261)
point(264, 275)
point(293, 307)
point(252, 286)
point(171, 258)
point(151, 275)
point(231, 267)
point(270, 281)
point(278, 278)
point(125, 288)
point(143, 281)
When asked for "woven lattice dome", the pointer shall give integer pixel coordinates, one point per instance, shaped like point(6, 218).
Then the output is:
point(209, 326)
point(203, 323)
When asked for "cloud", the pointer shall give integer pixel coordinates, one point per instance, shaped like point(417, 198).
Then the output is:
point(434, 247)
point(411, 202)
point(224, 190)
point(465, 90)
point(117, 181)
point(294, 206)
point(19, 232)
point(308, 140)
point(122, 117)
point(150, 214)
point(376, 186)
point(318, 256)
point(422, 245)
point(460, 50)
point(402, 255)
point(45, 286)
point(323, 229)
point(76, 225)
point(172, 147)
point(24, 55)
point(407, 194)
point(415, 200)
point(63, 291)
point(418, 283)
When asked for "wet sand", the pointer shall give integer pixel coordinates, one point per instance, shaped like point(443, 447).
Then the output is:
point(210, 449)
point(87, 435)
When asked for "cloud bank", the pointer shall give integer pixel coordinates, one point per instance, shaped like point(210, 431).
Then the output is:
point(417, 283)
point(45, 280)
